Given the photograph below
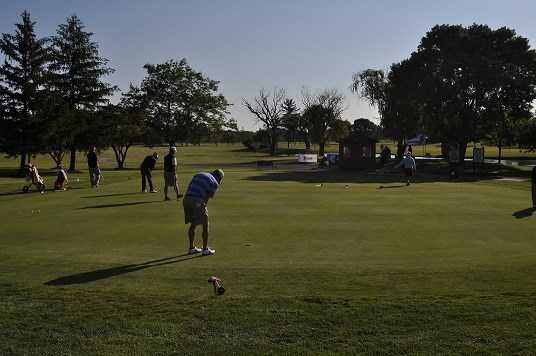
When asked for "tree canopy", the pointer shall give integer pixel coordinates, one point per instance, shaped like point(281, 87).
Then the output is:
point(268, 108)
point(460, 85)
point(22, 75)
point(180, 99)
point(77, 75)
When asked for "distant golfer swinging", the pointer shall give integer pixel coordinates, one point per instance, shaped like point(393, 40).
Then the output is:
point(145, 169)
point(202, 187)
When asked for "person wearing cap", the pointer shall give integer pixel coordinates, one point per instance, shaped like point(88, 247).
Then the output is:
point(146, 167)
point(93, 167)
point(170, 174)
point(202, 187)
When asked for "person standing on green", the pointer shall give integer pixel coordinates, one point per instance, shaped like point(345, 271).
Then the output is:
point(93, 166)
point(170, 173)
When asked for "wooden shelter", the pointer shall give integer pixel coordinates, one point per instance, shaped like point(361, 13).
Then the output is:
point(357, 151)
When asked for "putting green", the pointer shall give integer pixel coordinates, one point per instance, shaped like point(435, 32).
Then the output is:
point(345, 267)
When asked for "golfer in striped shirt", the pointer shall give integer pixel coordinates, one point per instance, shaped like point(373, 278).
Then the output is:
point(202, 187)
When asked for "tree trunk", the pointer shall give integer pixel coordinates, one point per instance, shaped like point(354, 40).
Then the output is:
point(57, 157)
point(321, 148)
point(120, 153)
point(273, 145)
point(463, 150)
point(400, 148)
point(500, 151)
point(307, 143)
point(444, 149)
point(124, 158)
point(72, 161)
point(23, 156)
point(273, 142)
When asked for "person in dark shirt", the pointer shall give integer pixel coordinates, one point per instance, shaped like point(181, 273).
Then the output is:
point(170, 175)
point(93, 166)
point(385, 154)
point(146, 167)
point(534, 187)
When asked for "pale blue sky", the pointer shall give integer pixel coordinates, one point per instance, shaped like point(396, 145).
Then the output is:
point(252, 44)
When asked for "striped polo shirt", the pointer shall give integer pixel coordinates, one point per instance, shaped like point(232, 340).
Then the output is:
point(203, 186)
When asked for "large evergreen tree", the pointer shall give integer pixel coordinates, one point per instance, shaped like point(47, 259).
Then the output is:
point(22, 76)
point(78, 75)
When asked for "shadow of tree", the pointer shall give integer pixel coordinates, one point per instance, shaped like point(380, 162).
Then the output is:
point(100, 274)
point(392, 186)
point(33, 190)
point(116, 205)
point(110, 195)
point(427, 171)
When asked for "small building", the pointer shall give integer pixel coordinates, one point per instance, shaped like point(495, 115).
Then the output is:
point(357, 151)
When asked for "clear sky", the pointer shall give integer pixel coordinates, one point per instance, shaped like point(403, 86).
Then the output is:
point(251, 44)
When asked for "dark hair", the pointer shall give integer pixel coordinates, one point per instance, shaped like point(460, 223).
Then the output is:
point(218, 174)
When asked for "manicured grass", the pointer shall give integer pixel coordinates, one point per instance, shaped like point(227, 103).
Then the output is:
point(341, 268)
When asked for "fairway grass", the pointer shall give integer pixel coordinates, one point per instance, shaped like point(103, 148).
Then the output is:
point(332, 267)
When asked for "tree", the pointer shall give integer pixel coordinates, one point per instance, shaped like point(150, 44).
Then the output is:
point(217, 126)
point(181, 100)
point(474, 80)
point(371, 84)
point(291, 119)
point(303, 129)
point(527, 134)
point(321, 111)
point(54, 129)
point(367, 128)
point(267, 108)
point(396, 98)
point(339, 129)
point(77, 74)
point(23, 75)
point(126, 123)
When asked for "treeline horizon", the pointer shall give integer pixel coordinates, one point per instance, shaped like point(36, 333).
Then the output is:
point(54, 99)
point(460, 85)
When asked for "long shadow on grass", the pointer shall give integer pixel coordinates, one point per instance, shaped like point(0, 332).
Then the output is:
point(110, 195)
point(34, 191)
point(427, 171)
point(99, 274)
point(392, 186)
point(525, 213)
point(116, 205)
